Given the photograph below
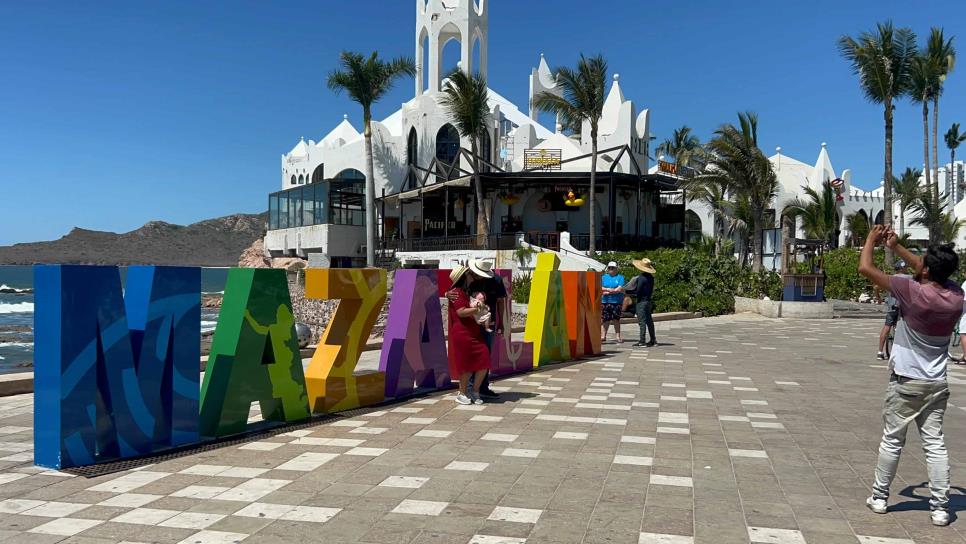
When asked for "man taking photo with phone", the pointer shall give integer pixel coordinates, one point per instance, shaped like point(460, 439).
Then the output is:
point(930, 305)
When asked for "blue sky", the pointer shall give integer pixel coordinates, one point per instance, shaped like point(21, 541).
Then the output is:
point(116, 113)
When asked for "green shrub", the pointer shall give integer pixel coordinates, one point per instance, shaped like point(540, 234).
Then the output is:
point(521, 289)
point(695, 281)
point(842, 278)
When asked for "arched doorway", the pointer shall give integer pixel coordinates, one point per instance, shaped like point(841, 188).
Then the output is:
point(318, 174)
point(301, 179)
point(880, 217)
point(411, 154)
point(447, 152)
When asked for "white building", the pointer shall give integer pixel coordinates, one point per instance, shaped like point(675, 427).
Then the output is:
point(793, 175)
point(426, 204)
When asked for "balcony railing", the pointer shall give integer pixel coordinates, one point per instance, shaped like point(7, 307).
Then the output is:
point(451, 243)
point(621, 242)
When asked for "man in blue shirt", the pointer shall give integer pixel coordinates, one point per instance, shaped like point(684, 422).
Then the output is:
point(641, 287)
point(612, 285)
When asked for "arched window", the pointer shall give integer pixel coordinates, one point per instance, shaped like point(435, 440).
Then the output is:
point(301, 179)
point(293, 179)
point(318, 174)
point(692, 226)
point(412, 150)
point(350, 174)
point(486, 151)
point(447, 152)
point(880, 217)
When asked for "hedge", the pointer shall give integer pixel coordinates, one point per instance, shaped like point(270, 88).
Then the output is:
point(693, 281)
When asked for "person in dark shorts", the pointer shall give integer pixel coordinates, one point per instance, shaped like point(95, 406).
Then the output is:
point(892, 314)
point(612, 287)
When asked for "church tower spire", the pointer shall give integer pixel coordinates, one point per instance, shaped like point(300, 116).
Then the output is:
point(437, 23)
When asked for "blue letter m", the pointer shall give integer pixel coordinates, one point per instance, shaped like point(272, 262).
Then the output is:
point(115, 373)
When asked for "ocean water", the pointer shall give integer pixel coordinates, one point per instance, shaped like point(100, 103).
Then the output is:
point(17, 312)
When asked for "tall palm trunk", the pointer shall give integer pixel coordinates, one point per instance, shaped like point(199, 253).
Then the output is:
point(887, 189)
point(902, 220)
point(482, 218)
point(935, 142)
point(370, 195)
point(718, 229)
point(592, 246)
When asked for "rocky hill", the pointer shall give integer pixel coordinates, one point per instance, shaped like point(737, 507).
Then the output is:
point(214, 242)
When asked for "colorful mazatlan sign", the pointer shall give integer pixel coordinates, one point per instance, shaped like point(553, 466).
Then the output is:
point(117, 372)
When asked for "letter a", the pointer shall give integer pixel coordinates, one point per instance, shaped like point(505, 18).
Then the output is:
point(413, 346)
point(254, 355)
point(546, 315)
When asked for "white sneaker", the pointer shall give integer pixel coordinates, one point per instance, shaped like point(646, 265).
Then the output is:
point(880, 356)
point(878, 506)
point(475, 398)
point(463, 399)
point(940, 518)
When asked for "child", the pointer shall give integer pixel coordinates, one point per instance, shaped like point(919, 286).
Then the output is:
point(484, 318)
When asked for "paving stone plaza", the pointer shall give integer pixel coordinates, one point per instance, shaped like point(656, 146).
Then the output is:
point(735, 429)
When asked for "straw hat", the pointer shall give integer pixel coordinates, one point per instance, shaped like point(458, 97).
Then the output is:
point(644, 265)
point(457, 273)
point(481, 268)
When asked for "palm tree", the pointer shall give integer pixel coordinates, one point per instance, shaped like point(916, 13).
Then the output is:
point(366, 80)
point(819, 213)
point(942, 55)
point(684, 147)
point(951, 226)
point(906, 189)
point(882, 59)
point(738, 164)
point(465, 98)
point(713, 195)
point(858, 227)
point(953, 139)
point(931, 214)
point(922, 81)
point(581, 99)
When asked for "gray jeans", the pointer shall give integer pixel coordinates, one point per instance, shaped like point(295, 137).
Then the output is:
point(922, 402)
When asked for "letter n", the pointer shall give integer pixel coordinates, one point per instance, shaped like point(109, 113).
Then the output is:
point(115, 376)
point(582, 301)
point(254, 355)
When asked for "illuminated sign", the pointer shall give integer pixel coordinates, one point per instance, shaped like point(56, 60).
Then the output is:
point(546, 159)
point(674, 170)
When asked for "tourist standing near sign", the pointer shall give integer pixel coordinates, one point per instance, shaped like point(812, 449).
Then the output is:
point(469, 357)
point(494, 291)
point(641, 287)
point(612, 287)
point(930, 306)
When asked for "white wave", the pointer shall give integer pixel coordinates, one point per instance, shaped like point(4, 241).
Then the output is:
point(208, 326)
point(2, 357)
point(20, 307)
point(16, 344)
point(7, 289)
point(222, 292)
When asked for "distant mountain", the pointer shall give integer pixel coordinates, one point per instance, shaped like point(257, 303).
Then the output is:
point(214, 242)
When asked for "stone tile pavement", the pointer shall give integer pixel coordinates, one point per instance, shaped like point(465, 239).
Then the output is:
point(736, 429)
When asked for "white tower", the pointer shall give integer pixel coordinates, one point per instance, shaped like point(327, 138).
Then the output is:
point(441, 21)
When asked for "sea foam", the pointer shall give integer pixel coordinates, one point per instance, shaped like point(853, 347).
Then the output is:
point(17, 308)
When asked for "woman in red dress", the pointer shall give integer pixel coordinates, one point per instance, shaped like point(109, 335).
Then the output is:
point(468, 354)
